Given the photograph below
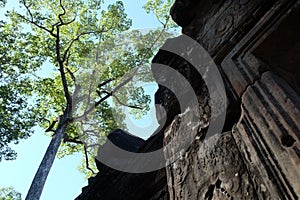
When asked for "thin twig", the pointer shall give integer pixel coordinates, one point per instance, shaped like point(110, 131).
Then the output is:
point(155, 41)
point(157, 17)
point(28, 9)
point(37, 25)
point(31, 20)
point(85, 151)
point(77, 39)
point(120, 102)
point(87, 159)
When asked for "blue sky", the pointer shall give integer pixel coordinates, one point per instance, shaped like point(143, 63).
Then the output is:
point(65, 181)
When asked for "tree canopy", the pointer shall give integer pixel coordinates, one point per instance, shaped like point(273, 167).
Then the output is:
point(63, 63)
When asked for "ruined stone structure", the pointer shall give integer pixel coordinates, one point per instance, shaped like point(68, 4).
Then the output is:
point(256, 46)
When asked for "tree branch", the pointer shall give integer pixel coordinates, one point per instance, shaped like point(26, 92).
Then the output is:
point(87, 160)
point(83, 116)
point(155, 41)
point(62, 71)
point(120, 102)
point(51, 126)
point(158, 19)
point(75, 97)
point(85, 151)
point(27, 8)
point(71, 75)
point(37, 25)
point(109, 94)
point(62, 23)
point(127, 80)
point(34, 22)
point(106, 82)
point(62, 14)
point(77, 39)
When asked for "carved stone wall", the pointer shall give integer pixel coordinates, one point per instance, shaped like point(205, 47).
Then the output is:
point(256, 46)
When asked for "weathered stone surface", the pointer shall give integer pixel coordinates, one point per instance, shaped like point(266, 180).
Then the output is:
point(125, 140)
point(265, 139)
point(165, 96)
point(111, 184)
point(267, 135)
point(256, 46)
point(207, 168)
point(122, 140)
point(187, 12)
point(212, 170)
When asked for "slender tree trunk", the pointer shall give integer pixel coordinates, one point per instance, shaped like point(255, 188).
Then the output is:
point(41, 175)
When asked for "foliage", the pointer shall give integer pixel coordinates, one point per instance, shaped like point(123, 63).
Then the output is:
point(85, 51)
point(112, 58)
point(17, 117)
point(161, 9)
point(27, 41)
point(9, 194)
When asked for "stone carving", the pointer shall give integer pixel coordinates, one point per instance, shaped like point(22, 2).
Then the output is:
point(210, 169)
point(271, 149)
point(258, 154)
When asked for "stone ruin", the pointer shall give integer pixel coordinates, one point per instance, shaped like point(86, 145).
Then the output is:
point(256, 47)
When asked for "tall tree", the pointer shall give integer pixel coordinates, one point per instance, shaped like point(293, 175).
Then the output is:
point(63, 34)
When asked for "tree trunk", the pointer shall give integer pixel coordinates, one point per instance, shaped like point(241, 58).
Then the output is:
point(41, 175)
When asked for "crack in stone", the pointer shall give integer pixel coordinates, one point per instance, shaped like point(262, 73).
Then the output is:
point(253, 83)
